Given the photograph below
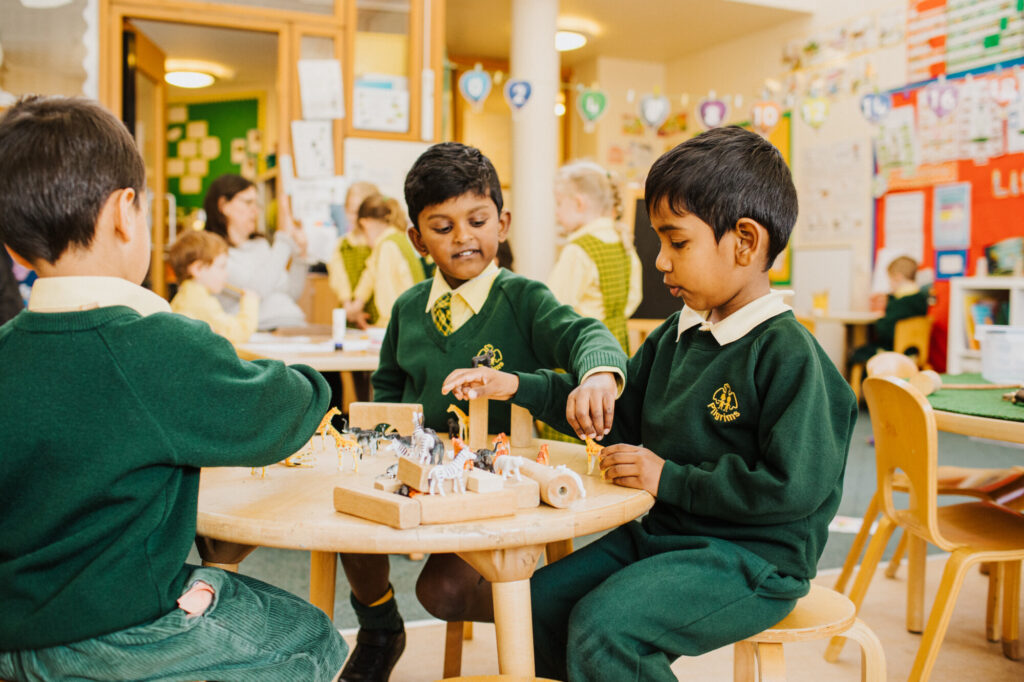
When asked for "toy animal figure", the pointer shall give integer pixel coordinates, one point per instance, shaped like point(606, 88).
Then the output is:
point(542, 455)
point(507, 465)
point(501, 445)
point(302, 458)
point(463, 421)
point(349, 446)
point(262, 471)
point(562, 469)
point(451, 471)
point(425, 443)
point(485, 359)
point(484, 460)
point(593, 450)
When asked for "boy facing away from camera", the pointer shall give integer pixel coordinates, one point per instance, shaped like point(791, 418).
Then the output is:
point(111, 404)
point(733, 418)
point(469, 308)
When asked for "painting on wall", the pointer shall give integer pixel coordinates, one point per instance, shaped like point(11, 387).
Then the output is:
point(208, 139)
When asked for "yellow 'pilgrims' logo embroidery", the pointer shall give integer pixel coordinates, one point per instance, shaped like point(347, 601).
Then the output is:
point(723, 406)
point(489, 356)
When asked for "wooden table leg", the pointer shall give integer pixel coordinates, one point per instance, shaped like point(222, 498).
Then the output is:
point(323, 571)
point(509, 572)
point(222, 554)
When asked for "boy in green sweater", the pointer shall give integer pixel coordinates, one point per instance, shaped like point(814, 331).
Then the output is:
point(111, 404)
point(732, 417)
point(470, 307)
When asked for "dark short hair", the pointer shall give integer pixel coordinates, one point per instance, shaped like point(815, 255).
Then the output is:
point(448, 170)
point(227, 186)
point(193, 246)
point(60, 160)
point(723, 175)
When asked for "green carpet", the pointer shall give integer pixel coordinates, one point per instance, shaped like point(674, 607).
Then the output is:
point(290, 569)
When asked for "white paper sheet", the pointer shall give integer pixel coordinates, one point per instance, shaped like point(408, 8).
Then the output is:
point(313, 147)
point(320, 89)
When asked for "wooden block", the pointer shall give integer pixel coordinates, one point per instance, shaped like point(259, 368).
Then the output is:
point(527, 491)
point(388, 485)
point(465, 507)
point(480, 481)
point(413, 474)
point(376, 505)
point(399, 415)
point(478, 423)
point(557, 488)
point(522, 427)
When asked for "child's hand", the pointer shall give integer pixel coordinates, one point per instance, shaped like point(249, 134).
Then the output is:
point(591, 406)
point(356, 315)
point(632, 466)
point(480, 382)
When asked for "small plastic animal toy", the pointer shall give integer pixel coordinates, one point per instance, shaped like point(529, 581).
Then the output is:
point(507, 465)
point(302, 458)
point(501, 445)
point(542, 455)
point(485, 359)
point(453, 471)
point(425, 443)
point(593, 450)
point(463, 421)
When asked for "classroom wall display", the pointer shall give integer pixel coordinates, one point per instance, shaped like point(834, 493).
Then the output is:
point(206, 140)
point(949, 36)
point(949, 182)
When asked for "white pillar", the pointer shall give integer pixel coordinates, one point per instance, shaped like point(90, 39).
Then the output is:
point(534, 137)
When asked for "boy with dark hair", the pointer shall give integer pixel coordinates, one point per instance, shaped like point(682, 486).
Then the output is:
point(100, 472)
point(744, 423)
point(470, 307)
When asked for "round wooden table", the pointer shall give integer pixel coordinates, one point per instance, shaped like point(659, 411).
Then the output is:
point(292, 508)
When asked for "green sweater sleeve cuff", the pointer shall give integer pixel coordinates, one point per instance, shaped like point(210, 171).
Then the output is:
point(602, 359)
point(673, 485)
point(532, 393)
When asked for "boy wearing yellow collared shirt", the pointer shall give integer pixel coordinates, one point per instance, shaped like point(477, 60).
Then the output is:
point(469, 307)
point(598, 271)
point(200, 262)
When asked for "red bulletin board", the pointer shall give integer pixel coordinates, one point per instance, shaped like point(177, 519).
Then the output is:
point(996, 201)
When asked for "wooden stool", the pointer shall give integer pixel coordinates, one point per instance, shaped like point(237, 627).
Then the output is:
point(822, 614)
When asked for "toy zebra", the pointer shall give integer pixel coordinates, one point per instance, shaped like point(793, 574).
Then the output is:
point(452, 471)
point(425, 443)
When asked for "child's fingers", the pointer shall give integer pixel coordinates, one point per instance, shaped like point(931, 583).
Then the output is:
point(462, 379)
point(608, 401)
point(570, 415)
point(583, 418)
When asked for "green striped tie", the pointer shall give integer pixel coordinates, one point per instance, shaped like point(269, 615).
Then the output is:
point(442, 314)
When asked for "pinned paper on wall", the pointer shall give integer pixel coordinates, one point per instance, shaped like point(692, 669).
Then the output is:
point(381, 104)
point(904, 223)
point(187, 148)
point(177, 114)
point(951, 216)
point(209, 148)
point(175, 168)
point(174, 134)
point(320, 89)
point(237, 150)
point(253, 143)
point(198, 167)
point(313, 147)
point(196, 129)
point(191, 184)
point(950, 264)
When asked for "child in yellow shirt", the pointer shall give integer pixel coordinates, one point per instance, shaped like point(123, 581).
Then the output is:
point(352, 250)
point(393, 265)
point(200, 262)
point(598, 272)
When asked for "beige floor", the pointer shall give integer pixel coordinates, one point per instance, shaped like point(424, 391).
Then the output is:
point(965, 656)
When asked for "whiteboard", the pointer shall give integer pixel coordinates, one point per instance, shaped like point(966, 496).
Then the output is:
point(385, 163)
point(816, 270)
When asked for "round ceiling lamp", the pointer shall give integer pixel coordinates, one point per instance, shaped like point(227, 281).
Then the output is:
point(569, 40)
point(189, 79)
point(195, 73)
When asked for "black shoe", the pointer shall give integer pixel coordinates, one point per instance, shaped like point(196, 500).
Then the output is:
point(375, 655)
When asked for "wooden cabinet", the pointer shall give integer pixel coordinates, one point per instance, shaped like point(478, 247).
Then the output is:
point(964, 294)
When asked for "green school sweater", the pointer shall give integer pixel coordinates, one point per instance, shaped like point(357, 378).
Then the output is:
point(107, 417)
point(900, 308)
point(754, 433)
point(521, 321)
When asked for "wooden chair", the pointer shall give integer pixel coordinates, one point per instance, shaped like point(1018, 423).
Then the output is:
point(973, 532)
point(637, 330)
point(821, 614)
point(910, 333)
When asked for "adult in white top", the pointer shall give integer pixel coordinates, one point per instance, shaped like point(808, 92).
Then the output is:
point(276, 272)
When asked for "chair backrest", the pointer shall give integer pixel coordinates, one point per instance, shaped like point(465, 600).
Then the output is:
point(913, 332)
point(637, 329)
point(905, 440)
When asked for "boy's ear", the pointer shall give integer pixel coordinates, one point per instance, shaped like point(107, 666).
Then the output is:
point(193, 269)
point(417, 241)
point(504, 222)
point(124, 213)
point(751, 242)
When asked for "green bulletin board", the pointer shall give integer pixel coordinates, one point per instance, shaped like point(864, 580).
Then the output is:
point(206, 140)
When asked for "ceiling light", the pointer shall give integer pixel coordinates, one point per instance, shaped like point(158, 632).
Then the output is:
point(559, 109)
point(189, 79)
point(569, 40)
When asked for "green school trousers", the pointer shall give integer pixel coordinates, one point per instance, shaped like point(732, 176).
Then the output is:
point(627, 605)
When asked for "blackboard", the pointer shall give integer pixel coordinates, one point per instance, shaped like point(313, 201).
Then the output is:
point(657, 303)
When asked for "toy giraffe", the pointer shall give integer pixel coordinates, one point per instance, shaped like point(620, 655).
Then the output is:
point(463, 422)
point(593, 450)
point(542, 455)
point(501, 446)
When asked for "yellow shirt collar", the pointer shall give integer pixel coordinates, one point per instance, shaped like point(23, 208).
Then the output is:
point(66, 294)
point(474, 292)
point(599, 227)
point(739, 324)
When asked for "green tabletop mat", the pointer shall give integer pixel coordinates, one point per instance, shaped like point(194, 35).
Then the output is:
point(981, 403)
